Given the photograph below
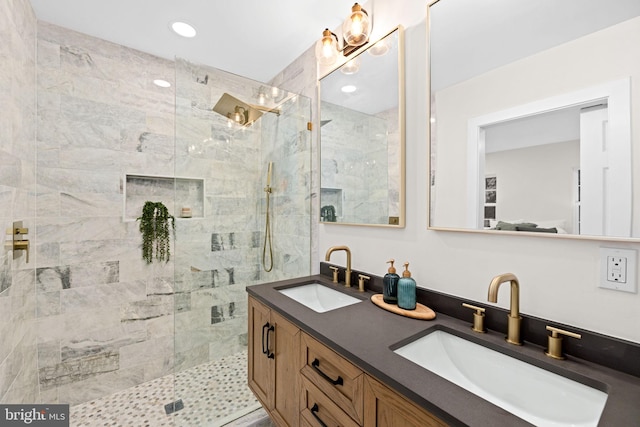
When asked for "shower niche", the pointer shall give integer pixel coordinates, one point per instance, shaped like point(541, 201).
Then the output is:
point(179, 195)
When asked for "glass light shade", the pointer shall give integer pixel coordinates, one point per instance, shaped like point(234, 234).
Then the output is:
point(327, 49)
point(351, 67)
point(357, 27)
point(380, 48)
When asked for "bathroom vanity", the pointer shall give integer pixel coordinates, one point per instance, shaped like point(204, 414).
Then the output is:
point(339, 367)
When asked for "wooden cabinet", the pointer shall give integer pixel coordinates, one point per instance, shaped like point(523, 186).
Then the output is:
point(319, 410)
point(384, 407)
point(274, 363)
point(302, 382)
point(340, 380)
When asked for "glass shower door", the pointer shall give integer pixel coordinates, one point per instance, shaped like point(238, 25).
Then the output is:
point(228, 129)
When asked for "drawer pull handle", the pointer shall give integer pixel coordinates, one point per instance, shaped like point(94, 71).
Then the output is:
point(265, 326)
point(315, 409)
point(270, 354)
point(316, 366)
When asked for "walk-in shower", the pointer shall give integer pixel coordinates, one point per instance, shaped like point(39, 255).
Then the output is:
point(88, 322)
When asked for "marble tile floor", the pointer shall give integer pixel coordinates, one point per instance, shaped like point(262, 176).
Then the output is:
point(214, 394)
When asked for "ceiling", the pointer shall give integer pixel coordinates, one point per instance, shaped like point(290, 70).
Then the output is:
point(258, 38)
point(251, 38)
point(469, 38)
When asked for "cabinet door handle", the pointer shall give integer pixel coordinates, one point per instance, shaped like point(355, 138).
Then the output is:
point(316, 365)
point(315, 409)
point(264, 327)
point(269, 354)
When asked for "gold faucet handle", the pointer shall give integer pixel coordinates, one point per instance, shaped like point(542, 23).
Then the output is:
point(335, 273)
point(554, 340)
point(361, 279)
point(478, 317)
point(556, 331)
point(21, 245)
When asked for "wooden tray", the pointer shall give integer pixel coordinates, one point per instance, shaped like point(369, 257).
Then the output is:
point(421, 312)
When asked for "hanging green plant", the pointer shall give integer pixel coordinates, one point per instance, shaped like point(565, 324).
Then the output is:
point(156, 234)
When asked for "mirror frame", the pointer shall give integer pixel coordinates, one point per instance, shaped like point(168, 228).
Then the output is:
point(401, 125)
point(430, 158)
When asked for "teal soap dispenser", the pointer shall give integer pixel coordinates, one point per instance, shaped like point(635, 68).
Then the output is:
point(390, 285)
point(407, 290)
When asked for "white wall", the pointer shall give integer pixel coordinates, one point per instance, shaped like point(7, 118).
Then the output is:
point(558, 276)
point(522, 183)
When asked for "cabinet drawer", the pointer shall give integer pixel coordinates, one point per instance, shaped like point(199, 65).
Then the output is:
point(386, 408)
point(318, 409)
point(338, 379)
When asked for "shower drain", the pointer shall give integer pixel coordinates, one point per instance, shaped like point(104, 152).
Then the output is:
point(172, 407)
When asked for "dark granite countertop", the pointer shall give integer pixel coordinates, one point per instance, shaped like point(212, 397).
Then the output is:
point(365, 334)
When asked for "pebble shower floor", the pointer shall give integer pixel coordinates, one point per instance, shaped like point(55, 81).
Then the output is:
point(212, 393)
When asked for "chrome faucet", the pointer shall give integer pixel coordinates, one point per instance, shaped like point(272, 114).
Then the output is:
point(347, 273)
point(513, 327)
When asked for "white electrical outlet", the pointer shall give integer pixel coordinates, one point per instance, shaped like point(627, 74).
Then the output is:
point(618, 269)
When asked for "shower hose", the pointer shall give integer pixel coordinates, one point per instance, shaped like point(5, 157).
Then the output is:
point(267, 236)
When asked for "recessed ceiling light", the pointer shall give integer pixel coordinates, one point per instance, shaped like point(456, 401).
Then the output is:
point(161, 83)
point(183, 29)
point(348, 88)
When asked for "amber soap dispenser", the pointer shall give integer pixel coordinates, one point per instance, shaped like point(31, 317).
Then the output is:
point(407, 290)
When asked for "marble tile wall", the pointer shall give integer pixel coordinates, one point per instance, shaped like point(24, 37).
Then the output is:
point(18, 373)
point(105, 318)
point(357, 144)
point(286, 142)
point(301, 76)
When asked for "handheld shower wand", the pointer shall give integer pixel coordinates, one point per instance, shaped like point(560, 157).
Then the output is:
point(267, 231)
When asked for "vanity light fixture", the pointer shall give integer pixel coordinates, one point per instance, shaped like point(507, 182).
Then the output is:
point(239, 116)
point(357, 27)
point(262, 97)
point(351, 67)
point(183, 29)
point(380, 48)
point(356, 30)
point(327, 48)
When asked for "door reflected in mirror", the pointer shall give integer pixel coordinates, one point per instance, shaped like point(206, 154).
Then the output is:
point(362, 137)
point(530, 122)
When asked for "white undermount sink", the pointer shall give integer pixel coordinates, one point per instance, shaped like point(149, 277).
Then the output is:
point(529, 392)
point(319, 297)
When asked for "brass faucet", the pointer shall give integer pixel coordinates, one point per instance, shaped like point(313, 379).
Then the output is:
point(513, 327)
point(347, 273)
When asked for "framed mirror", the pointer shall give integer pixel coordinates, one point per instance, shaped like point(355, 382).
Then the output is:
point(362, 137)
point(531, 124)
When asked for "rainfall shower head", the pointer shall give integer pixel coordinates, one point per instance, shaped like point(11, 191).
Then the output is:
point(236, 110)
point(240, 112)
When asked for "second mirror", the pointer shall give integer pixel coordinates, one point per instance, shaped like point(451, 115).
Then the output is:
point(362, 137)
